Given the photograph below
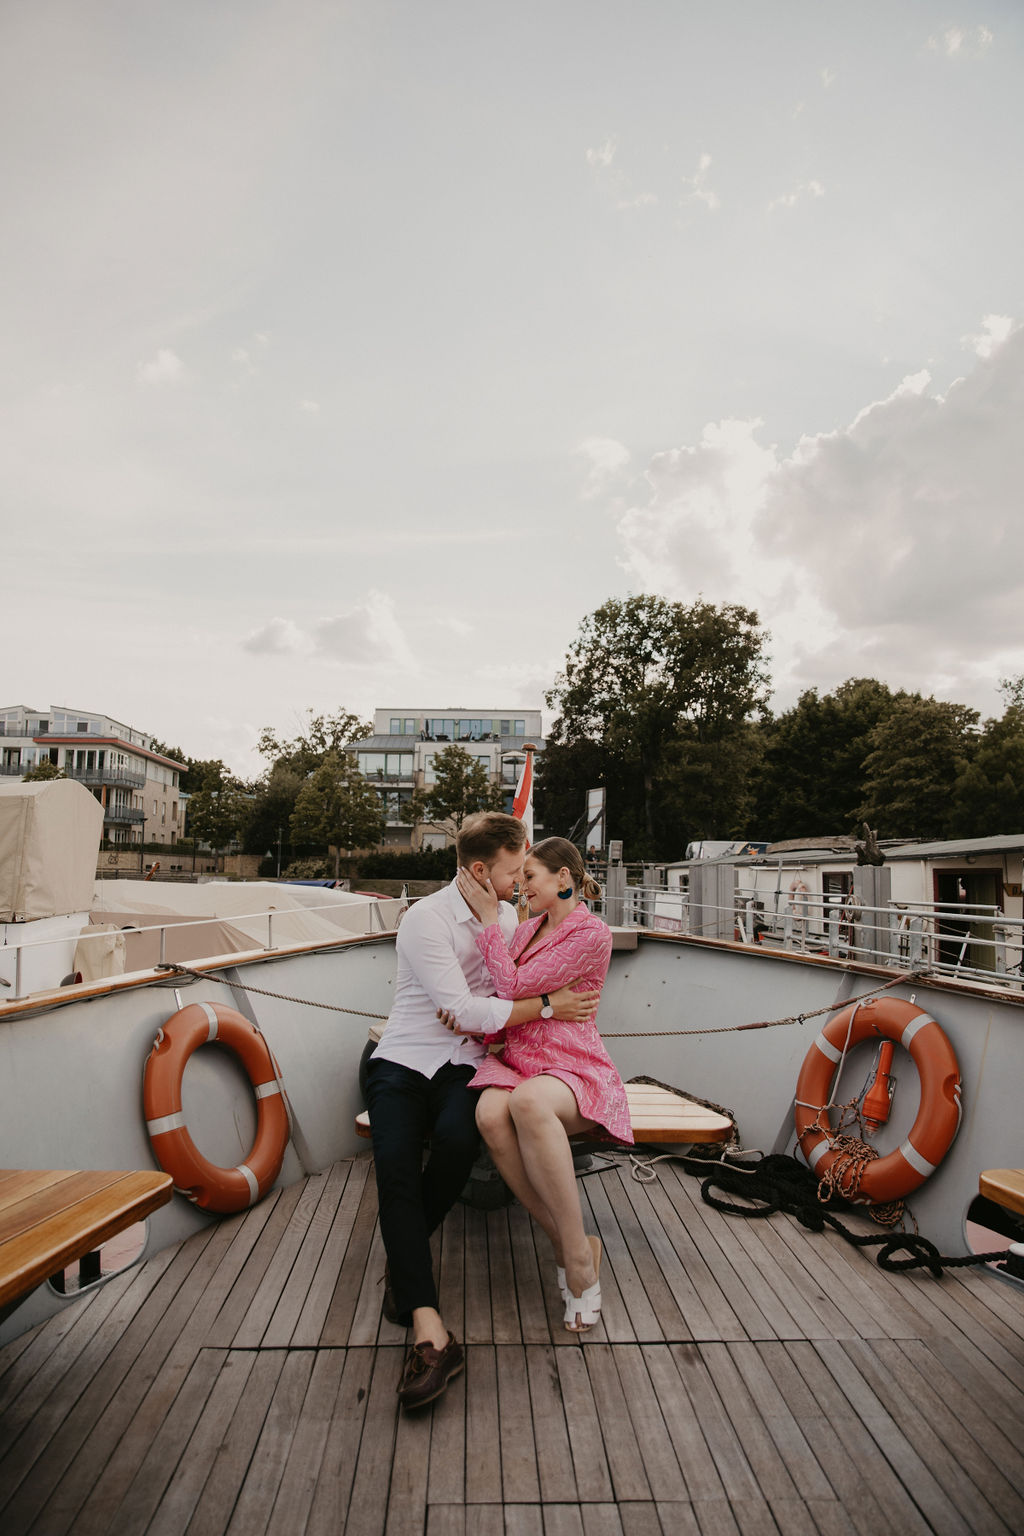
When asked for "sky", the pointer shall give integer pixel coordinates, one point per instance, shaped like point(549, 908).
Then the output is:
point(355, 350)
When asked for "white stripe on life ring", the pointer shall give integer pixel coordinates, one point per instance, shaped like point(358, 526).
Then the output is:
point(828, 1049)
point(912, 1028)
point(818, 1152)
point(264, 1090)
point(250, 1179)
point(211, 1015)
point(919, 1164)
point(166, 1123)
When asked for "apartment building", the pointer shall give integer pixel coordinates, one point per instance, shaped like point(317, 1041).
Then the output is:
point(137, 787)
point(399, 757)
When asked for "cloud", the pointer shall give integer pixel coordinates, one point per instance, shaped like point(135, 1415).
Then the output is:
point(311, 406)
point(804, 189)
point(962, 42)
point(699, 191)
point(614, 181)
point(827, 77)
point(165, 368)
point(607, 459)
point(892, 546)
point(602, 157)
point(994, 331)
point(365, 634)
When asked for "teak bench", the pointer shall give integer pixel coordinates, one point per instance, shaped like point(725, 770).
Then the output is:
point(1005, 1187)
point(656, 1114)
point(50, 1218)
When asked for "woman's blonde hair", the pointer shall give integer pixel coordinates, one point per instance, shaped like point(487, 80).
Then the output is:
point(557, 853)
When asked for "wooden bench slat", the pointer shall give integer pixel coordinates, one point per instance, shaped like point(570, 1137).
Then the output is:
point(1004, 1186)
point(101, 1204)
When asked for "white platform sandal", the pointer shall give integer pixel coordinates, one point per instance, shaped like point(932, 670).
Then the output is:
point(582, 1312)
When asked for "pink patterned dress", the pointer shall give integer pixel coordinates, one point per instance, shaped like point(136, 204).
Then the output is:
point(580, 946)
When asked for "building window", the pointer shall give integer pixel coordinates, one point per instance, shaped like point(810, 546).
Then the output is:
point(519, 728)
point(83, 725)
point(402, 726)
point(174, 810)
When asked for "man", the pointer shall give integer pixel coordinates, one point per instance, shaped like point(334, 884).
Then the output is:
point(416, 1086)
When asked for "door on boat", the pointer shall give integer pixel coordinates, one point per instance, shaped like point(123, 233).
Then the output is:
point(966, 941)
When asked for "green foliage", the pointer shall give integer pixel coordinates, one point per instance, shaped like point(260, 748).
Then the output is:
point(43, 770)
point(337, 808)
point(272, 807)
point(812, 778)
point(217, 814)
point(461, 786)
point(988, 797)
point(665, 693)
point(919, 750)
point(404, 864)
point(321, 735)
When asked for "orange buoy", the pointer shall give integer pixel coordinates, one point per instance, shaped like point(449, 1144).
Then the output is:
point(211, 1187)
point(938, 1117)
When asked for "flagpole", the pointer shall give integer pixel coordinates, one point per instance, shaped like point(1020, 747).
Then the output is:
point(522, 810)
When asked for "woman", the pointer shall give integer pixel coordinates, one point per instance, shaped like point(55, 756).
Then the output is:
point(551, 1078)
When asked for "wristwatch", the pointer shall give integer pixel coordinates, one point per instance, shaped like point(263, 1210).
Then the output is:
point(546, 1012)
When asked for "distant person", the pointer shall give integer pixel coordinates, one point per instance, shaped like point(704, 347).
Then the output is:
point(553, 1077)
point(417, 1084)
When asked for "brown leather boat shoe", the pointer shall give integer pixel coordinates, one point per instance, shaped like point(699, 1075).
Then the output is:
point(428, 1371)
point(391, 1311)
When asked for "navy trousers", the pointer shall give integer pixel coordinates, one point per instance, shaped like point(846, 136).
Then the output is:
point(405, 1108)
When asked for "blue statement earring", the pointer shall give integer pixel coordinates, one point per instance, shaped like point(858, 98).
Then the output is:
point(564, 895)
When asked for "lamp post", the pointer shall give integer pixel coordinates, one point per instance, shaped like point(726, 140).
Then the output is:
point(279, 853)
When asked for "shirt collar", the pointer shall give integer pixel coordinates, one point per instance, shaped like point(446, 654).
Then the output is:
point(461, 909)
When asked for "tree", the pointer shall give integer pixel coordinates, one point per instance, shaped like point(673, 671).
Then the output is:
point(217, 814)
point(461, 786)
point(919, 750)
point(321, 735)
point(337, 808)
point(811, 781)
point(988, 796)
point(272, 806)
point(661, 687)
point(44, 769)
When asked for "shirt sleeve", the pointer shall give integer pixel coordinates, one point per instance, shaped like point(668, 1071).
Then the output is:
point(427, 949)
point(585, 955)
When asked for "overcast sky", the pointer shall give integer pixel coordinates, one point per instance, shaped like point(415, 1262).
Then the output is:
point(354, 350)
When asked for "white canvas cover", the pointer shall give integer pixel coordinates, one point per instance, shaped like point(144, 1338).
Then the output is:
point(49, 839)
point(242, 905)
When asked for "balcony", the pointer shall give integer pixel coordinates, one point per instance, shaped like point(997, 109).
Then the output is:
point(123, 813)
point(131, 778)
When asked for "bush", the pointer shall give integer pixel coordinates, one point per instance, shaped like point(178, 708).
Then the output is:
point(310, 869)
point(426, 864)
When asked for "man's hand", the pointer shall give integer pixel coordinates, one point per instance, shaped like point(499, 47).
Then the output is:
point(451, 1022)
point(482, 900)
point(574, 1007)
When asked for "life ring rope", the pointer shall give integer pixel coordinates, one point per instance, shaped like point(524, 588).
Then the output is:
point(206, 1184)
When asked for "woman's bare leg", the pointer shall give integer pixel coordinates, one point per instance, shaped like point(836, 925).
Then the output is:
point(544, 1112)
point(498, 1131)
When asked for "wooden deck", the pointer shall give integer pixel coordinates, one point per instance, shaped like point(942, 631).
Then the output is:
point(747, 1378)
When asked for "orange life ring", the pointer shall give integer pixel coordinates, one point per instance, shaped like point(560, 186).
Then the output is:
point(213, 1188)
point(938, 1117)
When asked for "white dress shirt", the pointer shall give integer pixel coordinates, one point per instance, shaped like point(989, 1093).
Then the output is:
point(440, 966)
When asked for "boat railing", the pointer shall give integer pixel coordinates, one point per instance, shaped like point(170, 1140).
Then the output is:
point(12, 988)
point(953, 939)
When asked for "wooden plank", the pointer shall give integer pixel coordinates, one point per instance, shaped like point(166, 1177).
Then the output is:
point(728, 1453)
point(586, 1442)
point(221, 1331)
point(533, 1318)
point(678, 1519)
point(698, 1295)
point(75, 1217)
point(550, 1433)
point(661, 1468)
point(342, 1305)
point(505, 1328)
point(451, 1288)
point(446, 1520)
point(874, 1306)
point(957, 1379)
point(1005, 1186)
point(67, 1417)
point(182, 1493)
point(368, 1324)
point(851, 1487)
point(625, 1459)
point(485, 1520)
point(451, 1445)
point(367, 1508)
point(520, 1483)
point(912, 1471)
point(483, 1465)
point(294, 1492)
point(281, 1326)
point(478, 1280)
point(790, 1313)
point(30, 1196)
point(562, 1520)
point(626, 1313)
point(642, 1239)
point(770, 1470)
point(410, 1469)
point(606, 1520)
point(253, 1325)
point(935, 1454)
point(524, 1520)
point(700, 1474)
point(660, 1225)
point(769, 1403)
point(237, 1442)
point(310, 1322)
point(344, 1436)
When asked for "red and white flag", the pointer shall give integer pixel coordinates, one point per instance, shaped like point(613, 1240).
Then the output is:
point(522, 804)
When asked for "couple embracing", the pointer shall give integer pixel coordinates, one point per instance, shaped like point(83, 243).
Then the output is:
point(469, 976)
